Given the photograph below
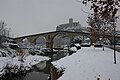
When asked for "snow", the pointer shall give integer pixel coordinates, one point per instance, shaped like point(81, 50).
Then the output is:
point(33, 60)
point(10, 61)
point(7, 52)
point(78, 45)
point(29, 61)
point(73, 49)
point(90, 63)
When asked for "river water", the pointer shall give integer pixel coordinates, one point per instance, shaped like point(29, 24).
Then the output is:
point(32, 75)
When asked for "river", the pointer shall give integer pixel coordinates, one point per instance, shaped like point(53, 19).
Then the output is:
point(32, 75)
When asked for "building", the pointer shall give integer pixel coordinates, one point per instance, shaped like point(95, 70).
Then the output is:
point(71, 26)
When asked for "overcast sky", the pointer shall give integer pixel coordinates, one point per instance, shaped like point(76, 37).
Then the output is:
point(38, 16)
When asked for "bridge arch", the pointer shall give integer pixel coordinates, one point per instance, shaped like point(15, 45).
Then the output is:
point(107, 41)
point(40, 42)
point(61, 40)
point(25, 43)
point(118, 42)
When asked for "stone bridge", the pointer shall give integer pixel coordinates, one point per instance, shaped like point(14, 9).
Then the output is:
point(49, 36)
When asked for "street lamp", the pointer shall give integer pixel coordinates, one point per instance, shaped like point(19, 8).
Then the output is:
point(114, 44)
point(114, 21)
point(114, 33)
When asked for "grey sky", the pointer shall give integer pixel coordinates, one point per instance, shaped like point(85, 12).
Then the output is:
point(37, 16)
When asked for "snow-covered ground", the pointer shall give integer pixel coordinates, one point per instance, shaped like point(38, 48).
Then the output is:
point(90, 63)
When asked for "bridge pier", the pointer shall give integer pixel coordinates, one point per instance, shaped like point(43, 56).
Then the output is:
point(49, 44)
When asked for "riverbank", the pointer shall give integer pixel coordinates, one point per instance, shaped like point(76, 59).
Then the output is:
point(33, 74)
point(10, 65)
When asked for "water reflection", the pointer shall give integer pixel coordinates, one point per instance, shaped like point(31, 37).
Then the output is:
point(32, 75)
point(36, 76)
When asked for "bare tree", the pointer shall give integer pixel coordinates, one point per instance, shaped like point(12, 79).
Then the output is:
point(4, 32)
